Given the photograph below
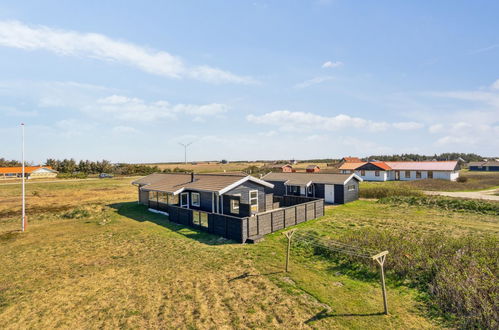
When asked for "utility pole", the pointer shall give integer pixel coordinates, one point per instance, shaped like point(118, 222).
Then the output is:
point(185, 145)
point(23, 223)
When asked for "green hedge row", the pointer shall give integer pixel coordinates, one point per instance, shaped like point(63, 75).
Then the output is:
point(454, 204)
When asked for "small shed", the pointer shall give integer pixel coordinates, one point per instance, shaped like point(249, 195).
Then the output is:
point(313, 169)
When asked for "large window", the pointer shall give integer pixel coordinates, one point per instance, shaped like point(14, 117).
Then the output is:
point(430, 174)
point(418, 174)
point(173, 199)
point(407, 174)
point(153, 196)
point(362, 172)
point(163, 197)
point(195, 199)
point(253, 199)
point(376, 173)
point(351, 187)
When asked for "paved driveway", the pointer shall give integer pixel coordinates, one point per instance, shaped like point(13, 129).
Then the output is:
point(482, 194)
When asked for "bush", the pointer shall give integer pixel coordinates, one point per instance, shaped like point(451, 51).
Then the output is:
point(462, 179)
point(76, 214)
point(381, 191)
point(459, 274)
point(453, 204)
point(72, 175)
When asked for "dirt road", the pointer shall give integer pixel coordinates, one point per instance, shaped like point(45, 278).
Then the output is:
point(482, 194)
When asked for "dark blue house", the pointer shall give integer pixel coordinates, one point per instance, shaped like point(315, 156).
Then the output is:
point(491, 166)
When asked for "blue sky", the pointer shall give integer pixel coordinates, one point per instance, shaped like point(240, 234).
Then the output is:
point(128, 81)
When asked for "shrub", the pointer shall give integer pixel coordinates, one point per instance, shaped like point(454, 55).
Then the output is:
point(381, 191)
point(454, 204)
point(79, 175)
point(462, 179)
point(459, 274)
point(76, 214)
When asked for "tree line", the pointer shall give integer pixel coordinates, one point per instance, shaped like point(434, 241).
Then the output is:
point(70, 166)
point(467, 157)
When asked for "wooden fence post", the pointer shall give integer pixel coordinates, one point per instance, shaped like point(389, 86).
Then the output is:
point(288, 235)
point(380, 258)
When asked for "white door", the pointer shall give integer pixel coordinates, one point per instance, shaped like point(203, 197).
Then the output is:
point(329, 193)
point(302, 190)
point(184, 200)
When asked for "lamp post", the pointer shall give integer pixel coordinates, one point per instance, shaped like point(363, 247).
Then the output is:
point(23, 223)
point(185, 145)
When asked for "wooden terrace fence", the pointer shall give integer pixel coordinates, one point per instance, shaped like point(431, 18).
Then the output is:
point(241, 229)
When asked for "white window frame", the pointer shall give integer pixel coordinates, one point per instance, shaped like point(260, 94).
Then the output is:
point(351, 187)
point(198, 204)
point(376, 173)
point(250, 198)
point(181, 195)
point(310, 189)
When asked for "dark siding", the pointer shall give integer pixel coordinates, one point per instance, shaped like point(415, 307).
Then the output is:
point(319, 190)
point(244, 190)
point(339, 194)
point(205, 201)
point(351, 196)
point(279, 188)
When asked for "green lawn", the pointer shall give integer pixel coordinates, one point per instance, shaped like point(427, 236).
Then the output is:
point(117, 265)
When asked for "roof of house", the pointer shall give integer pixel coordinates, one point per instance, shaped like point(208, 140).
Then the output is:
point(311, 167)
point(382, 165)
point(307, 178)
point(351, 166)
point(281, 165)
point(425, 165)
point(485, 163)
point(177, 182)
point(27, 169)
point(351, 160)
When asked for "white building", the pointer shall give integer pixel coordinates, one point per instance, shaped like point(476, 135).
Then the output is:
point(404, 171)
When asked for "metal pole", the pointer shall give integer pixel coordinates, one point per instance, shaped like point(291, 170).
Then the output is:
point(23, 223)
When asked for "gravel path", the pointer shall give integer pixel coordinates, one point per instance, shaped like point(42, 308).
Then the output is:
point(482, 194)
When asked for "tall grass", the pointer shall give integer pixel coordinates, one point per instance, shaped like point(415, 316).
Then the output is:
point(453, 204)
point(383, 190)
point(459, 275)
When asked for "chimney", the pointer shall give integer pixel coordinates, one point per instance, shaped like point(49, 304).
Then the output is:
point(192, 176)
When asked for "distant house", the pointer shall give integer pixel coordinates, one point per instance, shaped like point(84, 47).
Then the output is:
point(350, 160)
point(313, 169)
point(282, 168)
point(334, 188)
point(239, 207)
point(403, 171)
point(490, 166)
point(29, 172)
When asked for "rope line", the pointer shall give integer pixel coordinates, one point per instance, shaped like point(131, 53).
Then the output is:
point(335, 246)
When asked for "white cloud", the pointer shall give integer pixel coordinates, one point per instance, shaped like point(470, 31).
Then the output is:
point(331, 64)
point(313, 81)
point(306, 121)
point(124, 130)
point(135, 109)
point(495, 85)
point(409, 125)
point(437, 128)
point(93, 45)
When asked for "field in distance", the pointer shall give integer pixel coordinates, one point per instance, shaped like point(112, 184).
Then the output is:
point(214, 167)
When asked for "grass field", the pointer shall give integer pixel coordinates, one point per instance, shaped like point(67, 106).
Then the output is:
point(213, 167)
point(475, 181)
point(113, 264)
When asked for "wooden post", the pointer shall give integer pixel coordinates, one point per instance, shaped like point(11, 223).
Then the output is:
point(288, 235)
point(380, 258)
